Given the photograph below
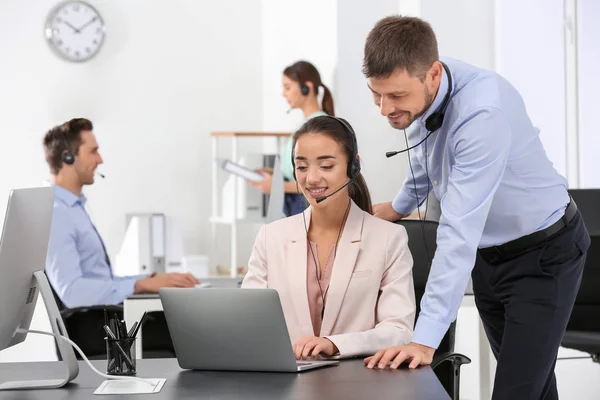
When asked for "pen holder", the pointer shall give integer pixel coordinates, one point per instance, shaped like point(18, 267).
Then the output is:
point(120, 356)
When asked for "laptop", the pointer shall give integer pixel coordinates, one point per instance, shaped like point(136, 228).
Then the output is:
point(231, 330)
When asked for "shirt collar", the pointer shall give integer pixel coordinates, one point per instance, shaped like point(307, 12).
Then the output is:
point(68, 197)
point(439, 98)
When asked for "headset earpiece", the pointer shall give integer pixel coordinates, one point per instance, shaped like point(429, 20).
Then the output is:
point(304, 89)
point(353, 169)
point(436, 119)
point(67, 157)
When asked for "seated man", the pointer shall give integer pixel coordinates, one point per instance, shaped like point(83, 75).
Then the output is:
point(77, 264)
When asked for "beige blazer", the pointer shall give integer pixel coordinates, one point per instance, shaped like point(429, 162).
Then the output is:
point(370, 303)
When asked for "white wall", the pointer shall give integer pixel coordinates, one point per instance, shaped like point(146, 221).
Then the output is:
point(589, 87)
point(464, 29)
point(355, 103)
point(530, 54)
point(292, 32)
point(169, 73)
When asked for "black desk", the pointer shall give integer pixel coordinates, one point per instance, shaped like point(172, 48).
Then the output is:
point(349, 380)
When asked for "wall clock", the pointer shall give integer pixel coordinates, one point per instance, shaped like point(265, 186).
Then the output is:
point(75, 30)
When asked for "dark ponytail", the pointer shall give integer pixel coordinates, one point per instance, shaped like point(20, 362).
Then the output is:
point(327, 102)
point(357, 189)
point(359, 193)
point(302, 72)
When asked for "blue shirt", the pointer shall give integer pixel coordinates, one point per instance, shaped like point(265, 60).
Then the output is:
point(488, 168)
point(77, 265)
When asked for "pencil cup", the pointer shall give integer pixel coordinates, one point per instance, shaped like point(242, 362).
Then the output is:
point(120, 356)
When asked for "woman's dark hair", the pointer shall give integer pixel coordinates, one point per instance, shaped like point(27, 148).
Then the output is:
point(335, 129)
point(302, 72)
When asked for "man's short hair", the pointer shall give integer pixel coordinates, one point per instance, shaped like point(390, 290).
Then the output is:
point(64, 137)
point(396, 42)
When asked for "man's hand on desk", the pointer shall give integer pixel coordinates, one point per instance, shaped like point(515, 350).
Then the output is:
point(153, 283)
point(417, 354)
point(386, 211)
point(312, 346)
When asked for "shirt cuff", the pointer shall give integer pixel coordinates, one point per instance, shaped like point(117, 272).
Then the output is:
point(126, 286)
point(429, 332)
point(404, 203)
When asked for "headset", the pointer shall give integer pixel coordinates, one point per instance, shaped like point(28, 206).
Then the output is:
point(68, 157)
point(304, 89)
point(352, 171)
point(353, 167)
point(432, 124)
point(435, 120)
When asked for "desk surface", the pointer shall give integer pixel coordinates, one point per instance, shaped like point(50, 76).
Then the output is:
point(349, 380)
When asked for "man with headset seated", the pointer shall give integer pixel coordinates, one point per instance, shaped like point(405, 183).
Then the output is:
point(77, 264)
point(506, 216)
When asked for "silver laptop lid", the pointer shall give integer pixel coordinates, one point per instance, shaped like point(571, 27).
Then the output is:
point(228, 329)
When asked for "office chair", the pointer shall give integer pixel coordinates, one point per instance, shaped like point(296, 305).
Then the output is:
point(583, 329)
point(85, 327)
point(446, 364)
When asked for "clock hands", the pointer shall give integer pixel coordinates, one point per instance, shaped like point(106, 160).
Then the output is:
point(86, 24)
point(71, 26)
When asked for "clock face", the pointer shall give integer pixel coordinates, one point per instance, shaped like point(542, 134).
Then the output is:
point(75, 30)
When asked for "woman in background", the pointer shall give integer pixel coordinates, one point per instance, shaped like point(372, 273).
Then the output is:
point(301, 83)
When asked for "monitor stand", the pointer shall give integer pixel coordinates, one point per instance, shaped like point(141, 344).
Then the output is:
point(64, 349)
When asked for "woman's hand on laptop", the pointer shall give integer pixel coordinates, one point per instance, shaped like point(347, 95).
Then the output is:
point(153, 283)
point(312, 346)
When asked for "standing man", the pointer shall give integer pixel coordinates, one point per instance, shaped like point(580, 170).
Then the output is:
point(506, 216)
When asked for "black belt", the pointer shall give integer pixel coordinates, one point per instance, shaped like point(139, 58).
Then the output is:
point(495, 254)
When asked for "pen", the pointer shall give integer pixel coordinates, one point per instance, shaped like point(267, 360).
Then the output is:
point(130, 333)
point(118, 326)
point(112, 336)
point(123, 331)
point(139, 325)
point(113, 328)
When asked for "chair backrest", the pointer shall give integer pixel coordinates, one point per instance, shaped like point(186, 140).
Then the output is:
point(422, 244)
point(587, 303)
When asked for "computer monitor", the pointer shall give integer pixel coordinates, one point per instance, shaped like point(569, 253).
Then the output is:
point(23, 249)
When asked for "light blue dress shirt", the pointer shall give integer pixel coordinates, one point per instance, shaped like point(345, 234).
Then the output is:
point(77, 265)
point(488, 168)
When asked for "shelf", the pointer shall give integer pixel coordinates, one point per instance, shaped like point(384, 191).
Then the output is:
point(229, 220)
point(251, 134)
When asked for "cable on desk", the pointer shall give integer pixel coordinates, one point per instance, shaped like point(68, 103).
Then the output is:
point(112, 377)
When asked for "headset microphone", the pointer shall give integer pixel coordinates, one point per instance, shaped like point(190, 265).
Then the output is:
point(435, 120)
point(322, 198)
point(100, 175)
point(393, 153)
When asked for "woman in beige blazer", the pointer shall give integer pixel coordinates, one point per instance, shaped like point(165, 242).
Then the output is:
point(351, 292)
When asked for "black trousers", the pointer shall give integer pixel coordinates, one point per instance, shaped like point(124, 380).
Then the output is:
point(525, 302)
